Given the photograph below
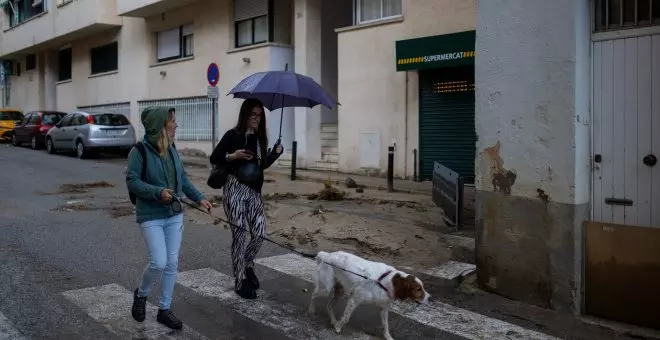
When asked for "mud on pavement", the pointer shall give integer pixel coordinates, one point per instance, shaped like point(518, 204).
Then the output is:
point(404, 229)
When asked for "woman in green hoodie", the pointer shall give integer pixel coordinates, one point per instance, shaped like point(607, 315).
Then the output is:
point(161, 223)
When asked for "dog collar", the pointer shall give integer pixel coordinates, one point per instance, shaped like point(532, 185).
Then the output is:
point(380, 278)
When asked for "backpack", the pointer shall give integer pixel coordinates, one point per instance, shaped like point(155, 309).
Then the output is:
point(143, 152)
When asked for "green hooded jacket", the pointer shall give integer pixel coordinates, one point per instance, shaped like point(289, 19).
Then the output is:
point(162, 171)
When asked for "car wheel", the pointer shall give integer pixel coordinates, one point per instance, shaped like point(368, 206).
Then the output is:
point(80, 150)
point(33, 143)
point(14, 141)
point(50, 148)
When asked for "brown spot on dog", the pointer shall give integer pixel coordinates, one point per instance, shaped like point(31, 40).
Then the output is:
point(407, 288)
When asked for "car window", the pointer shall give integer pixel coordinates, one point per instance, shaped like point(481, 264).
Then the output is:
point(79, 120)
point(52, 118)
point(25, 119)
point(32, 119)
point(110, 119)
point(11, 115)
point(66, 121)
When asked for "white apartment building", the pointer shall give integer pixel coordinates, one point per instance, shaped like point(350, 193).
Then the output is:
point(123, 55)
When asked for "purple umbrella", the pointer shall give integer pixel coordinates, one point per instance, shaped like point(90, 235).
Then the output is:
point(280, 89)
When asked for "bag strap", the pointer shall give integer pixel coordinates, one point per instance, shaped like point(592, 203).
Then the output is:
point(143, 152)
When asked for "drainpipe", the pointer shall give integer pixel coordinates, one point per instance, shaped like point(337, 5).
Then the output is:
point(405, 133)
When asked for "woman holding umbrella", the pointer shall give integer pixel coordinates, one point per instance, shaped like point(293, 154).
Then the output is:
point(243, 151)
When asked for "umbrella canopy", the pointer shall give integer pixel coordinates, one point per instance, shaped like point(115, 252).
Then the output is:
point(278, 89)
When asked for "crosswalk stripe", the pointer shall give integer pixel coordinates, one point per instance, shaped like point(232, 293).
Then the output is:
point(451, 270)
point(438, 315)
point(286, 318)
point(7, 330)
point(110, 305)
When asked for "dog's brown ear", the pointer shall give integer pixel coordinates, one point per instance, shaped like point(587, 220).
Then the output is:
point(402, 286)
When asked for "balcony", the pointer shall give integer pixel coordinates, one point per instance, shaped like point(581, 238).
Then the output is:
point(147, 8)
point(35, 26)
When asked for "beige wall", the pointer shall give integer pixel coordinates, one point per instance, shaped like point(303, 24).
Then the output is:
point(375, 99)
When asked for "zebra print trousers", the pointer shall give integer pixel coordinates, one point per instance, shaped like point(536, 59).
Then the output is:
point(243, 207)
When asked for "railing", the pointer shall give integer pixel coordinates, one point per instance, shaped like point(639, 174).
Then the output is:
point(193, 116)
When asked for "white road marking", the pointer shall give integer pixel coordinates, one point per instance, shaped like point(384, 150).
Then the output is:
point(110, 305)
point(7, 330)
point(290, 320)
point(451, 270)
point(438, 315)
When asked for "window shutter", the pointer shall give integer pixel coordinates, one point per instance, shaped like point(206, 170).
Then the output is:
point(246, 9)
point(168, 44)
point(188, 29)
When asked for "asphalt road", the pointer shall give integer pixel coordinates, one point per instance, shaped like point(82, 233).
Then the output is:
point(68, 265)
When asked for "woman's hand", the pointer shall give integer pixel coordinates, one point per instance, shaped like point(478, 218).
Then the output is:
point(241, 154)
point(279, 149)
point(206, 204)
point(166, 195)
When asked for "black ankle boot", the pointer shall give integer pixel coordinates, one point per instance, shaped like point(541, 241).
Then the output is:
point(252, 277)
point(167, 318)
point(139, 309)
point(246, 290)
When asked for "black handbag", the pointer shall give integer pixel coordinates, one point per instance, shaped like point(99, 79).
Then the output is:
point(218, 176)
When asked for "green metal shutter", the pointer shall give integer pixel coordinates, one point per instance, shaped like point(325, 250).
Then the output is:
point(446, 121)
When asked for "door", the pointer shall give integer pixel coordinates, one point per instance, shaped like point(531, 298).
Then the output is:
point(446, 121)
point(60, 133)
point(21, 129)
point(626, 131)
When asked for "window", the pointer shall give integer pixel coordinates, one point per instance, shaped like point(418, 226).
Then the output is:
point(110, 119)
point(30, 62)
point(372, 10)
point(66, 121)
point(104, 58)
point(64, 64)
point(78, 120)
point(620, 14)
point(175, 43)
point(252, 22)
point(51, 118)
point(19, 11)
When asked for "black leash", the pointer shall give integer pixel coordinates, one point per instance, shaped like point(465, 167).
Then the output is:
point(190, 203)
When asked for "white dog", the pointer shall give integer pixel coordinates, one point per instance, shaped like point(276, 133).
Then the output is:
point(377, 283)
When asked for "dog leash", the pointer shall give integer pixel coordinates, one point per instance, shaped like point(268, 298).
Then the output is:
point(196, 206)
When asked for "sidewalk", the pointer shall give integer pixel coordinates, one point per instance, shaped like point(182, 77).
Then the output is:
point(377, 183)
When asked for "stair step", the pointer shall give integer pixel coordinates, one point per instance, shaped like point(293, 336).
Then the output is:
point(330, 157)
point(329, 135)
point(329, 128)
point(324, 165)
point(329, 149)
point(331, 143)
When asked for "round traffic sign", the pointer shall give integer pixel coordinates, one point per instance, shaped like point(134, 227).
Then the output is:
point(213, 74)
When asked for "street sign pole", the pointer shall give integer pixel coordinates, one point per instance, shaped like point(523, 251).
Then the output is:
point(213, 76)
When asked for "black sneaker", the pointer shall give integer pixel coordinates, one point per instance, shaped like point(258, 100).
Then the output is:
point(252, 277)
point(246, 290)
point(139, 309)
point(167, 318)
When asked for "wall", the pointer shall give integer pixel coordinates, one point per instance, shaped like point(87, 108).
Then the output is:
point(532, 166)
point(375, 99)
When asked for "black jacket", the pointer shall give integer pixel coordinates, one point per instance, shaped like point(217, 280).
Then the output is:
point(234, 140)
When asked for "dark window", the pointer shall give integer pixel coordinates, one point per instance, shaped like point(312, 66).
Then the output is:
point(23, 10)
point(618, 14)
point(18, 70)
point(252, 31)
point(30, 62)
point(52, 118)
point(253, 22)
point(104, 58)
point(66, 121)
point(11, 115)
point(79, 119)
point(110, 119)
point(175, 43)
point(34, 118)
point(64, 64)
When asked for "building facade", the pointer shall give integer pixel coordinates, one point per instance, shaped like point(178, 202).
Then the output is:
point(123, 55)
point(568, 119)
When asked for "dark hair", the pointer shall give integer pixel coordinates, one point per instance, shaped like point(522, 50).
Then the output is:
point(244, 116)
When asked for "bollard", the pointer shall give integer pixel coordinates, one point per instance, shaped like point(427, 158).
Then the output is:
point(390, 168)
point(294, 157)
point(415, 165)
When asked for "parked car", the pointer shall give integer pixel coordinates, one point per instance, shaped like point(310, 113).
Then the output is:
point(87, 133)
point(34, 127)
point(9, 118)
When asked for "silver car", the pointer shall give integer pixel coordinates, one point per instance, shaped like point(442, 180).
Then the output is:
point(86, 133)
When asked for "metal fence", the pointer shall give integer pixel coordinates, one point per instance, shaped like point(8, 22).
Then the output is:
point(193, 116)
point(121, 108)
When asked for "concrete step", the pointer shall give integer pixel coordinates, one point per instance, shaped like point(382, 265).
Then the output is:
point(330, 157)
point(326, 165)
point(331, 143)
point(330, 127)
point(329, 135)
point(329, 149)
